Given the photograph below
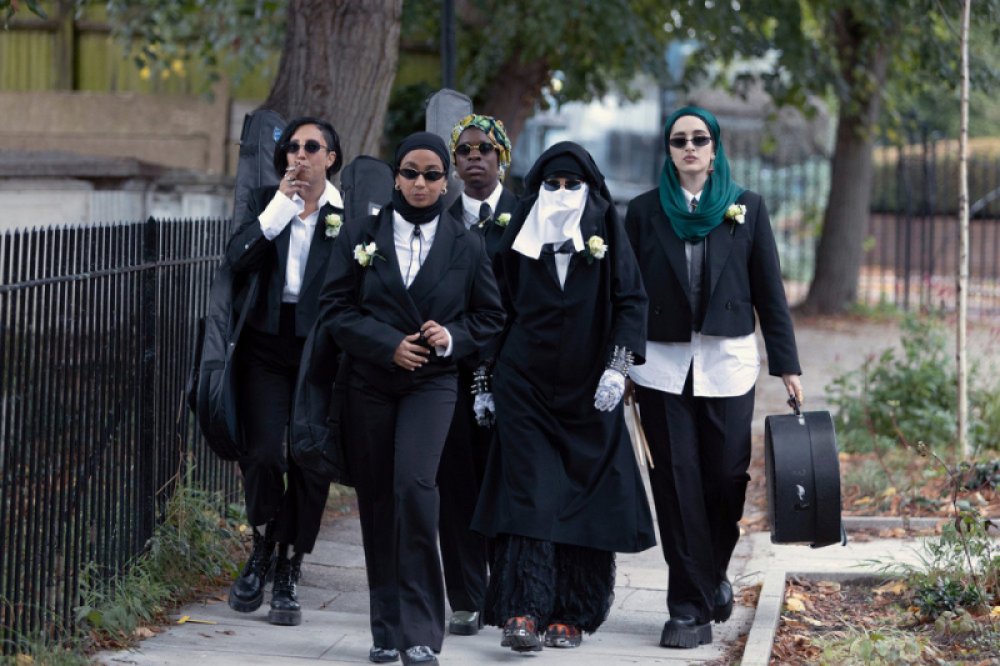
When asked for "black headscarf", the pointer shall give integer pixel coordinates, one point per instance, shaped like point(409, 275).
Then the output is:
point(561, 151)
point(419, 141)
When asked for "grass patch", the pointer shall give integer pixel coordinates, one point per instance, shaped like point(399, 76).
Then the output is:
point(194, 548)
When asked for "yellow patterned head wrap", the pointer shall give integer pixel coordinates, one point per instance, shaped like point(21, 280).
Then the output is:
point(493, 128)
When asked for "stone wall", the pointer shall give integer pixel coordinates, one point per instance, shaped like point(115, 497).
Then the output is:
point(180, 132)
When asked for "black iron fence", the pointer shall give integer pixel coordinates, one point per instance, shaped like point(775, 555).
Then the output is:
point(96, 334)
point(911, 244)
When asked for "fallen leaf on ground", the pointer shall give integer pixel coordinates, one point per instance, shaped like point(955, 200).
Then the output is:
point(795, 604)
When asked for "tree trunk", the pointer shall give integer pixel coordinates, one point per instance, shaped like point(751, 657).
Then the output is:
point(841, 246)
point(338, 63)
point(512, 94)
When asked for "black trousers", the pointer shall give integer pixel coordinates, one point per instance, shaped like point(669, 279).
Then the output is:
point(701, 452)
point(394, 448)
point(464, 553)
point(267, 368)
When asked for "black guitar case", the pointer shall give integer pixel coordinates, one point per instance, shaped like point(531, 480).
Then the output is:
point(803, 479)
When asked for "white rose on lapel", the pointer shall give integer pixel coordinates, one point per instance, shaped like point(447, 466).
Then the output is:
point(503, 219)
point(365, 254)
point(736, 214)
point(333, 223)
point(596, 248)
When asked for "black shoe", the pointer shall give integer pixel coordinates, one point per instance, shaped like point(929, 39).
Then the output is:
point(685, 631)
point(285, 608)
point(419, 654)
point(247, 592)
point(723, 601)
point(380, 655)
point(465, 623)
point(520, 634)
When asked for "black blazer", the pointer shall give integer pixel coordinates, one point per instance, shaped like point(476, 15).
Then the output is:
point(492, 231)
point(368, 310)
point(250, 251)
point(743, 271)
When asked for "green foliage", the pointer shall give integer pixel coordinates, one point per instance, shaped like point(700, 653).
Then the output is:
point(191, 546)
point(936, 596)
point(52, 646)
point(958, 570)
point(899, 400)
point(848, 50)
point(863, 647)
point(596, 46)
point(868, 476)
point(10, 7)
point(236, 36)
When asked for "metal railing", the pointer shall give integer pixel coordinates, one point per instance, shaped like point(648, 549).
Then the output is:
point(96, 332)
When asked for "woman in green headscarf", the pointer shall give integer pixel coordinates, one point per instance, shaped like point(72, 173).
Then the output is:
point(709, 263)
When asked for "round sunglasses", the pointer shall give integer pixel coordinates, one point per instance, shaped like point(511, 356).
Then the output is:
point(699, 141)
point(312, 147)
point(429, 176)
point(465, 149)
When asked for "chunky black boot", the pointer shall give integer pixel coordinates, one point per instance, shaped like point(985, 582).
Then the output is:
point(247, 593)
point(285, 608)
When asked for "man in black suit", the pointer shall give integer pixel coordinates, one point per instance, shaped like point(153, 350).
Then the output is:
point(285, 240)
point(709, 262)
point(481, 151)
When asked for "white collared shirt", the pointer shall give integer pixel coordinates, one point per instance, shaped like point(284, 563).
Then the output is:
point(282, 211)
point(412, 251)
point(720, 367)
point(470, 206)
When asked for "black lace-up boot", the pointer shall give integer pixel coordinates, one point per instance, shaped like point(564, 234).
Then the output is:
point(247, 593)
point(285, 608)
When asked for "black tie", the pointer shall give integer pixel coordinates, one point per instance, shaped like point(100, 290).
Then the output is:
point(485, 213)
point(696, 275)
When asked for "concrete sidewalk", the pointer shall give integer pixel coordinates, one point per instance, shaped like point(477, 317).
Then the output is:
point(335, 630)
point(334, 594)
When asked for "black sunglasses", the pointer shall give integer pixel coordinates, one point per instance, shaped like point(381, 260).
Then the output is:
point(699, 141)
point(311, 147)
point(429, 176)
point(553, 184)
point(465, 149)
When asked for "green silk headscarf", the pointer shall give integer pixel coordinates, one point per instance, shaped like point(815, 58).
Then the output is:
point(718, 194)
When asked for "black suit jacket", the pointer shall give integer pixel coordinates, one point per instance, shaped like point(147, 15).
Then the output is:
point(743, 272)
point(490, 230)
point(368, 310)
point(250, 251)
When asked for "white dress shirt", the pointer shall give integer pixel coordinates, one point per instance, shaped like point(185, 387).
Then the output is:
point(721, 367)
point(470, 206)
point(282, 211)
point(412, 251)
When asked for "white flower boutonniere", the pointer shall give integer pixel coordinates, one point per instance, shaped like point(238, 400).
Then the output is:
point(503, 219)
point(365, 254)
point(596, 248)
point(333, 223)
point(736, 214)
